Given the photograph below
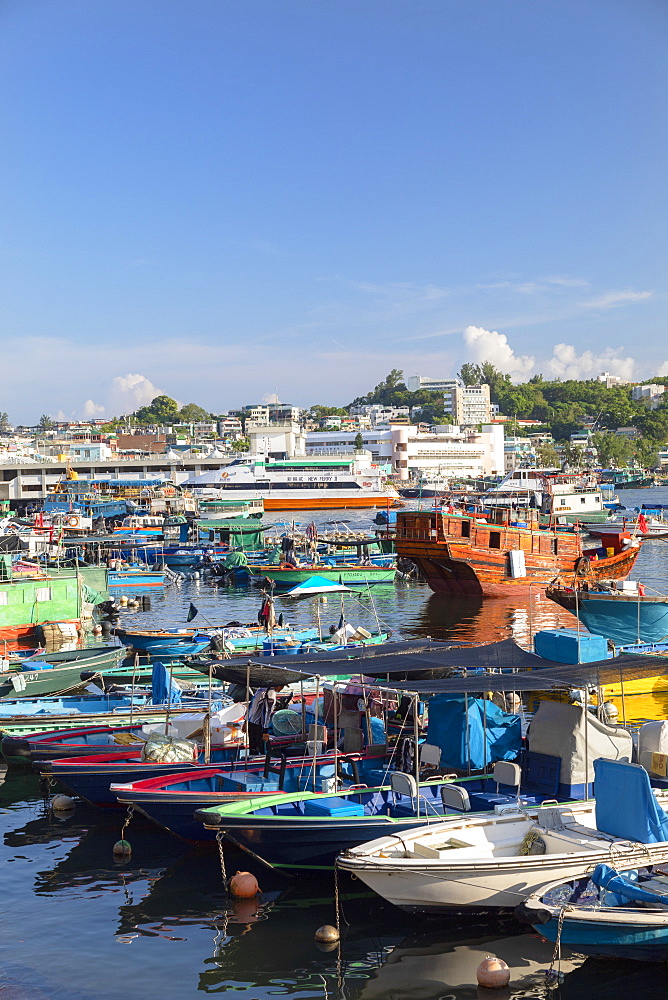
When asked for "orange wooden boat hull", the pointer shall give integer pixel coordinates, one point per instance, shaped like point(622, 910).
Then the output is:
point(455, 556)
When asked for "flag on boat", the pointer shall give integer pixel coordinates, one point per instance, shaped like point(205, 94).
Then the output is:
point(192, 612)
point(642, 523)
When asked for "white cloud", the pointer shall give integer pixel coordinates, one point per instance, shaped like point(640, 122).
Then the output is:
point(91, 409)
point(488, 345)
point(610, 300)
point(128, 392)
point(271, 399)
point(566, 363)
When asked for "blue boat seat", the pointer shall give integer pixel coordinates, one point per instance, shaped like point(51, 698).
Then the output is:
point(333, 806)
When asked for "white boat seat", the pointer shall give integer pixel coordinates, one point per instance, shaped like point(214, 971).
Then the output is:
point(507, 773)
point(430, 755)
point(403, 784)
point(455, 797)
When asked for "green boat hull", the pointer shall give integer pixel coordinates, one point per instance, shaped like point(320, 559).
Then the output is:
point(361, 576)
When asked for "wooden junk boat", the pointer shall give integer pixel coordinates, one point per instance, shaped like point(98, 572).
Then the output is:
point(490, 553)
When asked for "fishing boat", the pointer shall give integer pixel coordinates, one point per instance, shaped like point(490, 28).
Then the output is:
point(620, 611)
point(46, 595)
point(307, 830)
point(569, 496)
point(605, 912)
point(491, 862)
point(493, 554)
point(285, 575)
point(134, 577)
point(300, 484)
point(171, 800)
point(36, 678)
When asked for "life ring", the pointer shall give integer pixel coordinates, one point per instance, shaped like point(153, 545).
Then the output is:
point(73, 522)
point(224, 475)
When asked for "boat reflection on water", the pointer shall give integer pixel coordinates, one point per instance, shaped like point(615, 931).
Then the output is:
point(427, 965)
point(272, 945)
point(476, 621)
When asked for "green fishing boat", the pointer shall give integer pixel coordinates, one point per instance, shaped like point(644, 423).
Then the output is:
point(351, 576)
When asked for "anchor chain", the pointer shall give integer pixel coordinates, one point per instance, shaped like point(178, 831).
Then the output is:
point(126, 822)
point(221, 853)
point(554, 978)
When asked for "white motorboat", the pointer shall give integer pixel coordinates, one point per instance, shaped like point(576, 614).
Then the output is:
point(496, 861)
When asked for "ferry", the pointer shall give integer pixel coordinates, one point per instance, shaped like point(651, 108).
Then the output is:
point(299, 483)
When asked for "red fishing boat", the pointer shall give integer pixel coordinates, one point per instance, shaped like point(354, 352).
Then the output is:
point(492, 554)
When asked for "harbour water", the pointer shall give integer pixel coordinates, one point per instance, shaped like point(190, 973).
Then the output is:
point(80, 926)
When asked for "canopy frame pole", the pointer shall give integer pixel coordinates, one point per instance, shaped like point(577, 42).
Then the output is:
point(586, 723)
point(417, 756)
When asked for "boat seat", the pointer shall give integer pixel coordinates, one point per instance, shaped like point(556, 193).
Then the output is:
point(455, 797)
point(430, 755)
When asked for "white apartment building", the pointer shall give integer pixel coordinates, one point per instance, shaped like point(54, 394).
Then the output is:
point(471, 405)
point(286, 440)
point(441, 451)
point(467, 404)
point(611, 380)
point(650, 394)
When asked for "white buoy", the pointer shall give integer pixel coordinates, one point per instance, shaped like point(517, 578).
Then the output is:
point(123, 600)
point(493, 973)
point(62, 803)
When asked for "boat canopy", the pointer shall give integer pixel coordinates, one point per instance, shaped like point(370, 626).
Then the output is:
point(317, 585)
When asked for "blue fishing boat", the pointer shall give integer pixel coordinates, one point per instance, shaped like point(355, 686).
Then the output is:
point(603, 912)
point(624, 614)
point(135, 578)
point(171, 801)
point(623, 915)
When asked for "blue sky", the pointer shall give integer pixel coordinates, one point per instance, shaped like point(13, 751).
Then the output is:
point(223, 199)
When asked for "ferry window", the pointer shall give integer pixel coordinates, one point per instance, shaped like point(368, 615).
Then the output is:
point(466, 529)
point(597, 499)
point(495, 539)
point(583, 499)
point(562, 502)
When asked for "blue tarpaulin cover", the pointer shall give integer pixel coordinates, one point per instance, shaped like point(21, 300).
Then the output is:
point(623, 888)
point(161, 684)
point(625, 804)
point(486, 723)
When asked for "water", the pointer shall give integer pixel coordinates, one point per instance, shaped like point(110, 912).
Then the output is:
point(80, 926)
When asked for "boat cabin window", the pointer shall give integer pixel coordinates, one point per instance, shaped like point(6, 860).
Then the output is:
point(555, 544)
point(466, 529)
point(495, 539)
point(562, 502)
point(583, 499)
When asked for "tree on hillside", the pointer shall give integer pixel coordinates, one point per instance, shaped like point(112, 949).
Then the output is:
point(359, 442)
point(548, 456)
point(46, 423)
point(161, 410)
point(191, 413)
point(4, 423)
point(613, 450)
